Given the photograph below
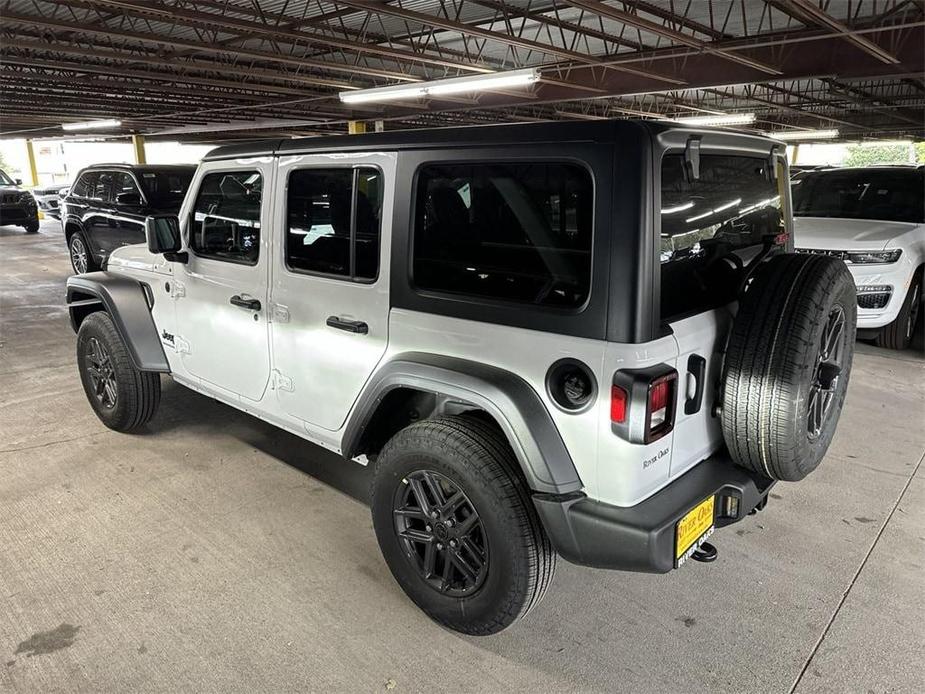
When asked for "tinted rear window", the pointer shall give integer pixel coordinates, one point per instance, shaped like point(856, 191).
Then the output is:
point(513, 232)
point(710, 226)
point(881, 194)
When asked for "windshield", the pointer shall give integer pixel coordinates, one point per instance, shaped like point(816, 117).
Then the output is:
point(6, 180)
point(891, 195)
point(165, 188)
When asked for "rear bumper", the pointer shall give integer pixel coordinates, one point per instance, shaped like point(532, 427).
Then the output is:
point(642, 537)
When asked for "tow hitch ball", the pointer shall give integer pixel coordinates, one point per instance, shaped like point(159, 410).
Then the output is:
point(705, 553)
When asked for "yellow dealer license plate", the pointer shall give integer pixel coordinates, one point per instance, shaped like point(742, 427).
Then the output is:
point(693, 530)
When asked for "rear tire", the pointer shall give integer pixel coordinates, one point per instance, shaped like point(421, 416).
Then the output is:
point(123, 397)
point(468, 457)
point(787, 365)
point(899, 333)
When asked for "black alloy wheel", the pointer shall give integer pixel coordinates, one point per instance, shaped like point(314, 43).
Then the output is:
point(828, 370)
point(79, 259)
point(102, 374)
point(441, 533)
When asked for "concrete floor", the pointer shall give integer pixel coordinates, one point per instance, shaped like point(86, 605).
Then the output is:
point(216, 553)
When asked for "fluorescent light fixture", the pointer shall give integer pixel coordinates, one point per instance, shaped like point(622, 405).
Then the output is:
point(726, 206)
point(92, 124)
point(677, 208)
point(804, 135)
point(455, 85)
point(731, 119)
point(699, 216)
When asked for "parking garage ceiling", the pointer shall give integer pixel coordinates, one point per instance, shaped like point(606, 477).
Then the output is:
point(211, 70)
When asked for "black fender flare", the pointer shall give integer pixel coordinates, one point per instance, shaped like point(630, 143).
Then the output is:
point(126, 302)
point(507, 397)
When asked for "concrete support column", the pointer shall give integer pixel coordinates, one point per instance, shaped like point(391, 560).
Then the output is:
point(794, 153)
point(33, 169)
point(138, 144)
point(356, 127)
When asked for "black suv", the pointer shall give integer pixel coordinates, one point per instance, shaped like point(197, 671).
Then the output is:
point(107, 205)
point(17, 206)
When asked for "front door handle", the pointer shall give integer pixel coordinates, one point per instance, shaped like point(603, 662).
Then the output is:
point(351, 326)
point(249, 304)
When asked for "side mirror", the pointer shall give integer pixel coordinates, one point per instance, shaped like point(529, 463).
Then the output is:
point(162, 232)
point(129, 198)
point(17, 181)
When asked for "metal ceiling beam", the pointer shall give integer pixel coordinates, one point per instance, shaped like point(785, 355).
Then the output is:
point(154, 39)
point(487, 34)
point(162, 77)
point(806, 11)
point(672, 35)
point(195, 65)
point(209, 20)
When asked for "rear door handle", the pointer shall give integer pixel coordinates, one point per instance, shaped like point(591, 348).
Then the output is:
point(249, 304)
point(351, 326)
point(696, 368)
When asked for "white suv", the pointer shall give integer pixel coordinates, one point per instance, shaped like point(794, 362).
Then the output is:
point(578, 339)
point(874, 219)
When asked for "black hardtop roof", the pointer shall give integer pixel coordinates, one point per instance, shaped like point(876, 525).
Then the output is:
point(602, 131)
point(142, 167)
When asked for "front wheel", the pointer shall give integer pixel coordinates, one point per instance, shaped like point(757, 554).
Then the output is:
point(899, 333)
point(123, 397)
point(456, 525)
point(32, 227)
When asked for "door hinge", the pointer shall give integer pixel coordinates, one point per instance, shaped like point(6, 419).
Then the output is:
point(279, 313)
point(281, 382)
point(177, 289)
point(181, 345)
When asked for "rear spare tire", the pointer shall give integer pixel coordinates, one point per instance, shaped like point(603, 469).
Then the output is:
point(787, 365)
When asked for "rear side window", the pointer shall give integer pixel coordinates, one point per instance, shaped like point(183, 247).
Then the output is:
point(711, 225)
point(226, 217)
point(333, 221)
point(101, 188)
point(518, 232)
point(84, 184)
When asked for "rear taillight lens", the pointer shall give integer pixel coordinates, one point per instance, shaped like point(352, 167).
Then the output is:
point(661, 405)
point(618, 398)
point(642, 403)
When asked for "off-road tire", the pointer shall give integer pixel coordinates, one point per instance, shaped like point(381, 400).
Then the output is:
point(899, 333)
point(138, 393)
point(73, 240)
point(773, 364)
point(475, 457)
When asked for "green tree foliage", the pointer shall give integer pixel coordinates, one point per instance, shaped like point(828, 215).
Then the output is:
point(888, 154)
point(920, 152)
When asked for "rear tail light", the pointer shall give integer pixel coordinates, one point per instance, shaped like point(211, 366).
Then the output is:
point(618, 398)
point(642, 403)
point(660, 405)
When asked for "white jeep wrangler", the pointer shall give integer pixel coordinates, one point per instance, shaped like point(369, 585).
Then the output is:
point(584, 339)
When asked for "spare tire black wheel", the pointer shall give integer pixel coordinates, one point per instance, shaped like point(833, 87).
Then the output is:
point(787, 365)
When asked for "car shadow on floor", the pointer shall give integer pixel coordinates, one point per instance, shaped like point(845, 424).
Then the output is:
point(182, 408)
